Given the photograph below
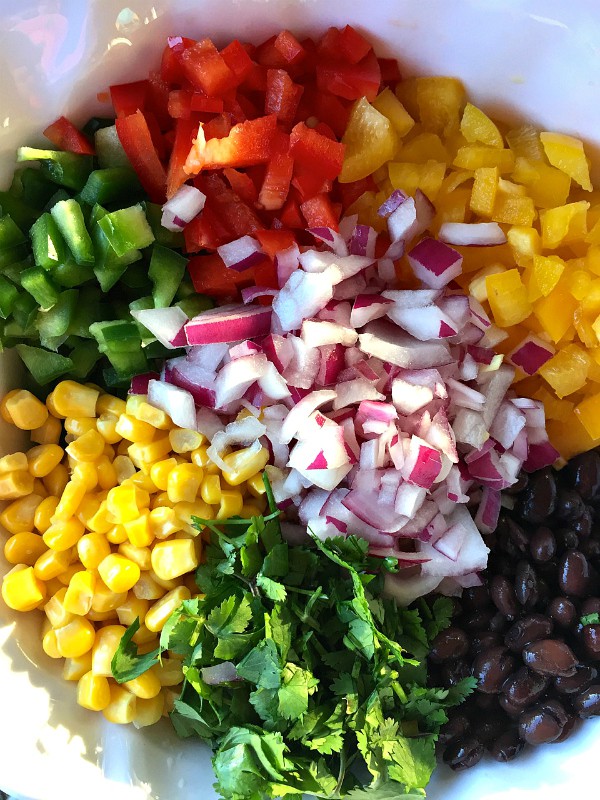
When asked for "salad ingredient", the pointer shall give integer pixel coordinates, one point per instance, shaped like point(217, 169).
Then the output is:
point(100, 533)
point(301, 677)
point(536, 608)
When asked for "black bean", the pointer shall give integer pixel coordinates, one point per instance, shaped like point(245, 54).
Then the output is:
point(528, 629)
point(489, 728)
point(587, 704)
point(499, 623)
point(456, 728)
point(518, 487)
point(507, 746)
point(491, 669)
point(569, 505)
point(583, 525)
point(573, 573)
point(503, 596)
point(591, 640)
point(583, 677)
point(542, 545)
point(524, 687)
point(526, 584)
point(484, 640)
point(550, 657)
point(566, 539)
point(541, 724)
point(463, 754)
point(517, 535)
point(454, 670)
point(475, 597)
point(538, 499)
point(590, 548)
point(478, 620)
point(590, 605)
point(583, 473)
point(562, 611)
point(570, 725)
point(514, 711)
point(450, 643)
point(487, 702)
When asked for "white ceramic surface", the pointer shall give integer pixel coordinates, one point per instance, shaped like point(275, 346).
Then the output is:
point(532, 59)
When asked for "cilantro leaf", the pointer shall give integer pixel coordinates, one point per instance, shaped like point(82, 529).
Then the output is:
point(230, 617)
point(293, 695)
point(273, 589)
point(262, 666)
point(126, 664)
point(591, 619)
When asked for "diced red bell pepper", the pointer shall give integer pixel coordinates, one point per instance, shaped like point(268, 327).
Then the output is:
point(319, 212)
point(170, 65)
point(242, 185)
point(157, 100)
point(127, 98)
point(218, 127)
point(156, 135)
point(308, 182)
point(64, 135)
point(134, 134)
point(289, 48)
point(276, 184)
point(233, 213)
point(268, 55)
point(265, 274)
point(390, 71)
point(249, 109)
point(209, 105)
point(250, 142)
point(291, 215)
point(332, 111)
point(314, 150)
point(256, 79)
point(350, 192)
point(180, 103)
point(351, 81)
point(185, 130)
point(237, 59)
point(206, 68)
point(205, 232)
point(210, 276)
point(275, 241)
point(283, 96)
point(346, 44)
point(234, 110)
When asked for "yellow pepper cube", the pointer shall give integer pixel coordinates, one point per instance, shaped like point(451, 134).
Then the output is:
point(119, 573)
point(548, 187)
point(174, 558)
point(105, 599)
point(588, 413)
point(92, 548)
point(564, 224)
point(548, 271)
point(75, 638)
point(164, 522)
point(567, 370)
point(75, 668)
point(440, 101)
point(93, 692)
point(133, 608)
point(56, 481)
point(243, 464)
point(25, 410)
point(160, 471)
point(24, 548)
point(106, 425)
point(555, 312)
point(153, 416)
point(64, 534)
point(51, 564)
point(409, 177)
point(121, 502)
point(105, 646)
point(145, 686)
point(48, 433)
point(122, 707)
point(587, 336)
point(16, 484)
point(184, 440)
point(476, 126)
point(148, 712)
point(14, 462)
point(160, 611)
point(513, 209)
point(390, 106)
point(139, 555)
point(20, 515)
point(71, 399)
point(507, 296)
point(475, 156)
point(566, 154)
point(80, 592)
point(134, 430)
point(43, 458)
point(22, 590)
point(370, 141)
point(108, 404)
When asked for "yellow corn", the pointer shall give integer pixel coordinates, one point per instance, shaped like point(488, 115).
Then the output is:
point(24, 548)
point(55, 610)
point(122, 707)
point(139, 555)
point(105, 599)
point(174, 558)
point(43, 458)
point(93, 692)
point(144, 454)
point(134, 430)
point(210, 490)
point(13, 485)
point(201, 459)
point(48, 433)
point(146, 686)
point(106, 425)
point(161, 500)
point(88, 508)
point(86, 473)
point(108, 404)
point(56, 481)
point(117, 534)
point(72, 569)
point(100, 522)
point(78, 426)
point(43, 513)
point(72, 495)
point(145, 638)
point(92, 548)
point(75, 638)
point(64, 534)
point(22, 590)
point(139, 531)
point(231, 504)
point(243, 464)
point(39, 488)
point(75, 668)
point(166, 583)
point(51, 564)
point(163, 522)
point(147, 588)
point(250, 510)
point(107, 474)
point(133, 608)
point(13, 462)
point(20, 515)
point(134, 401)
point(159, 613)
point(72, 399)
point(160, 471)
point(184, 440)
point(153, 416)
point(105, 646)
point(119, 573)
point(80, 592)
point(124, 468)
point(169, 672)
point(148, 712)
point(49, 642)
point(53, 585)
point(88, 447)
point(4, 413)
point(121, 502)
point(25, 410)
point(143, 482)
point(185, 511)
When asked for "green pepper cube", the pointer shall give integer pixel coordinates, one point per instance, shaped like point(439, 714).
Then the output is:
point(110, 185)
point(43, 290)
point(127, 229)
point(84, 356)
point(71, 274)
point(109, 149)
point(8, 297)
point(117, 336)
point(22, 213)
point(49, 247)
point(10, 234)
point(192, 306)
point(66, 169)
point(44, 365)
point(36, 189)
point(166, 272)
point(162, 235)
point(69, 218)
point(57, 320)
point(25, 311)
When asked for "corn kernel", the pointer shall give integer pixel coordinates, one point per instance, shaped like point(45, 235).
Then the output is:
point(119, 573)
point(72, 495)
point(185, 511)
point(134, 430)
point(71, 399)
point(75, 668)
point(39, 488)
point(166, 583)
point(169, 672)
point(148, 712)
point(117, 534)
point(143, 482)
point(210, 489)
point(160, 471)
point(163, 522)
point(72, 569)
point(243, 464)
point(122, 448)
point(100, 522)
point(20, 515)
point(50, 644)
point(144, 454)
point(138, 530)
point(48, 433)
point(184, 483)
point(256, 485)
point(51, 564)
point(147, 588)
point(124, 468)
point(109, 452)
point(121, 502)
point(146, 686)
point(64, 534)
point(134, 401)
point(143, 637)
point(43, 458)
point(85, 473)
point(161, 500)
point(80, 592)
point(102, 616)
point(249, 510)
point(133, 608)
point(122, 707)
point(55, 610)
point(13, 462)
point(105, 646)
point(4, 413)
point(108, 404)
point(92, 548)
point(51, 407)
point(88, 447)
point(107, 473)
point(153, 416)
point(53, 585)
point(174, 558)
point(24, 548)
point(105, 599)
point(25, 410)
point(56, 481)
point(75, 638)
point(22, 590)
point(200, 457)
point(231, 504)
point(106, 425)
point(77, 426)
point(184, 440)
point(139, 555)
point(161, 610)
point(93, 692)
point(13, 485)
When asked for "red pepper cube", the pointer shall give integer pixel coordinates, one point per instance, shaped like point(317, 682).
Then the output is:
point(242, 184)
point(390, 70)
point(218, 127)
point(205, 232)
point(135, 136)
point(333, 111)
point(283, 96)
point(319, 212)
point(249, 109)
point(291, 215)
point(237, 59)
point(256, 79)
point(64, 135)
point(127, 98)
point(232, 212)
point(206, 69)
point(275, 241)
point(248, 143)
point(308, 182)
point(314, 150)
point(180, 103)
point(210, 105)
point(289, 48)
point(351, 81)
point(185, 130)
point(350, 192)
point(276, 184)
point(353, 46)
point(210, 275)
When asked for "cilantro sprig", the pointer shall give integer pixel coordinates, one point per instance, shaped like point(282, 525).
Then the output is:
point(329, 695)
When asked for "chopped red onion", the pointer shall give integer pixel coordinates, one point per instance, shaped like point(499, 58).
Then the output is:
point(186, 203)
point(467, 234)
point(175, 402)
point(163, 323)
point(531, 354)
point(139, 383)
point(241, 254)
point(435, 263)
point(250, 293)
point(229, 324)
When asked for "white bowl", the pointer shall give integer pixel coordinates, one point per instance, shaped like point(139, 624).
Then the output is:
point(537, 60)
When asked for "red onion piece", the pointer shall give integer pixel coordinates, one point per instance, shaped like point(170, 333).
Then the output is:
point(177, 403)
point(163, 323)
point(229, 324)
point(531, 354)
point(241, 254)
point(435, 263)
point(186, 203)
point(139, 383)
point(467, 234)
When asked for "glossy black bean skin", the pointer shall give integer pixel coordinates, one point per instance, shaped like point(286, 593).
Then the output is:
point(583, 525)
point(507, 746)
point(569, 505)
point(475, 598)
point(491, 669)
point(583, 473)
point(503, 596)
point(456, 728)
point(590, 606)
point(573, 573)
point(562, 611)
point(583, 677)
point(543, 723)
point(511, 709)
point(528, 629)
point(542, 545)
point(524, 687)
point(591, 640)
point(550, 657)
point(590, 548)
point(463, 754)
point(538, 500)
point(454, 670)
point(450, 643)
point(566, 539)
point(587, 704)
point(526, 590)
point(570, 725)
point(478, 620)
point(489, 728)
point(483, 640)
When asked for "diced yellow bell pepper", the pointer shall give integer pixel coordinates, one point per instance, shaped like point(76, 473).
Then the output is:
point(507, 296)
point(564, 224)
point(524, 242)
point(476, 126)
point(567, 370)
point(440, 101)
point(513, 209)
point(547, 271)
point(588, 413)
point(421, 148)
point(570, 439)
point(548, 187)
point(566, 153)
point(409, 177)
point(388, 104)
point(485, 188)
point(475, 156)
point(555, 312)
point(370, 141)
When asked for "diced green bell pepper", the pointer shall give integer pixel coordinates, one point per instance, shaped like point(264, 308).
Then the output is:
point(111, 185)
point(8, 297)
point(85, 356)
point(166, 271)
point(57, 320)
point(10, 234)
point(109, 149)
point(127, 229)
point(66, 169)
point(36, 189)
point(44, 365)
point(23, 214)
point(71, 274)
point(40, 286)
point(69, 218)
point(25, 311)
point(162, 235)
point(195, 304)
point(49, 247)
